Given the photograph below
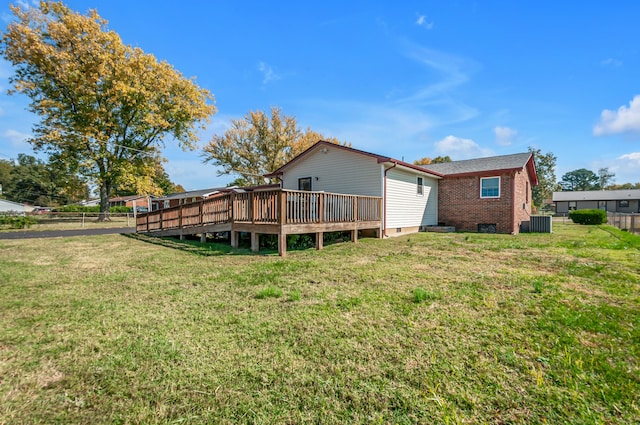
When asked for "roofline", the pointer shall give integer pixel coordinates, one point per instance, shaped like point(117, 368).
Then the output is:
point(381, 159)
point(596, 195)
point(530, 165)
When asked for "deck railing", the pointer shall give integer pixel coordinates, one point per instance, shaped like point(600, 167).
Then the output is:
point(283, 207)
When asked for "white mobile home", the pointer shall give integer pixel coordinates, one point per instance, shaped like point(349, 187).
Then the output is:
point(8, 207)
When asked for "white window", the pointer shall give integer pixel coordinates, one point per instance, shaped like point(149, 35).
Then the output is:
point(490, 187)
point(420, 186)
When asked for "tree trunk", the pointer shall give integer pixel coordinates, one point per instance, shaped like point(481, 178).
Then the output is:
point(104, 203)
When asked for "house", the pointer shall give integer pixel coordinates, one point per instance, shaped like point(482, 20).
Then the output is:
point(8, 207)
point(333, 188)
point(479, 195)
point(490, 194)
point(622, 201)
point(132, 201)
point(181, 198)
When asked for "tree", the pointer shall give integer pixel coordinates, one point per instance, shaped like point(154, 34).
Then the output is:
point(605, 178)
point(157, 181)
point(5, 177)
point(624, 186)
point(257, 145)
point(105, 108)
point(437, 160)
point(581, 179)
point(546, 172)
point(36, 182)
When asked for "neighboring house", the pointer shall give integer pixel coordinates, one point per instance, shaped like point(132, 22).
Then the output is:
point(479, 195)
point(490, 194)
point(180, 198)
point(623, 201)
point(409, 192)
point(132, 201)
point(8, 207)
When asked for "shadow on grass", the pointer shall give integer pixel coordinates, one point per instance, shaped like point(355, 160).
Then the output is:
point(207, 249)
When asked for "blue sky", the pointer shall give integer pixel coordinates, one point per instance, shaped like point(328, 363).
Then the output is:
point(404, 79)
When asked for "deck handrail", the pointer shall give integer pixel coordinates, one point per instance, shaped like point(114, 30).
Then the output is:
point(277, 206)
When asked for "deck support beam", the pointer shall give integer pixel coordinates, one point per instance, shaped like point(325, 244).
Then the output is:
point(319, 240)
point(282, 244)
point(234, 239)
point(203, 237)
point(255, 241)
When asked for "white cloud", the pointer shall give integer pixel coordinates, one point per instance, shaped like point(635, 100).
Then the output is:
point(504, 135)
point(458, 148)
point(16, 138)
point(626, 167)
point(268, 74)
point(422, 22)
point(624, 120)
point(611, 62)
point(633, 156)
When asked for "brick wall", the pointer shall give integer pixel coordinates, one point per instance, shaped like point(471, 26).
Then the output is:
point(522, 205)
point(460, 205)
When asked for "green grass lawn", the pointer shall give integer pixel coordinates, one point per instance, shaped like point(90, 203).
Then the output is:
point(426, 328)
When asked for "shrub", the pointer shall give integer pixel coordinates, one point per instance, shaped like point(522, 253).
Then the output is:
point(18, 221)
point(588, 216)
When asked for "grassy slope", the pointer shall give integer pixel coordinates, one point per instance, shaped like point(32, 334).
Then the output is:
point(527, 329)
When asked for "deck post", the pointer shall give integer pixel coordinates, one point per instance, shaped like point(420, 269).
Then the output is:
point(253, 207)
point(282, 211)
point(354, 235)
point(233, 235)
point(255, 241)
point(232, 202)
point(180, 220)
point(203, 237)
point(319, 240)
point(355, 208)
point(282, 244)
point(321, 210)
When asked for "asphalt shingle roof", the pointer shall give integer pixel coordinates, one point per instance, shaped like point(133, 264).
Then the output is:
point(597, 195)
point(504, 162)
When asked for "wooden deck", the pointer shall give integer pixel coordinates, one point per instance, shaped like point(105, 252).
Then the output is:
point(280, 212)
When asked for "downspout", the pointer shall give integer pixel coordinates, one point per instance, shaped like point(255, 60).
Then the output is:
point(384, 229)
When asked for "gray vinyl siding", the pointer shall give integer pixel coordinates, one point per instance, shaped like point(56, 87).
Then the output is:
point(407, 208)
point(337, 171)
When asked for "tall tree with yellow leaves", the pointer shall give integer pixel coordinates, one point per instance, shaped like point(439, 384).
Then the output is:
point(105, 108)
point(258, 144)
